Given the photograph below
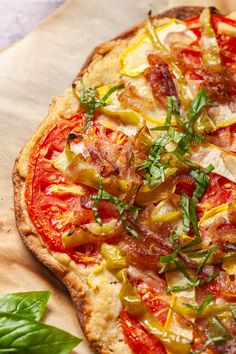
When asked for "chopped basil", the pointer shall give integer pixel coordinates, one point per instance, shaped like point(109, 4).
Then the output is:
point(90, 102)
point(171, 257)
point(203, 263)
point(175, 135)
point(155, 169)
point(185, 212)
point(154, 166)
point(121, 207)
point(199, 309)
point(191, 284)
point(201, 181)
point(201, 101)
point(194, 280)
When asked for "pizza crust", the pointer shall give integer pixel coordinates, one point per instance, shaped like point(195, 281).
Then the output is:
point(97, 306)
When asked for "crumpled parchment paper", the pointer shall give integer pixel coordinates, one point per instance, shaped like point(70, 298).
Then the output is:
point(32, 72)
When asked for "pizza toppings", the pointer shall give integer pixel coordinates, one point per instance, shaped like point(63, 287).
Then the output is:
point(142, 181)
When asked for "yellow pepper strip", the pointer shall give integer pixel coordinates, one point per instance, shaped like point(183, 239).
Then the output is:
point(170, 215)
point(229, 265)
point(85, 174)
point(213, 212)
point(79, 237)
point(133, 303)
point(210, 310)
point(135, 306)
point(62, 189)
point(126, 116)
point(113, 256)
point(185, 93)
point(210, 49)
point(88, 234)
point(105, 228)
point(147, 194)
point(166, 217)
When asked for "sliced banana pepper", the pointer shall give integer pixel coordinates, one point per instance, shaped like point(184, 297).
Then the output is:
point(210, 48)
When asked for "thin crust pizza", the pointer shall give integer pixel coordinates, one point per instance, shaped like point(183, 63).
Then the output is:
point(127, 189)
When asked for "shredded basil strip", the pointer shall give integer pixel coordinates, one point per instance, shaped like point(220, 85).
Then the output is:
point(155, 169)
point(193, 280)
point(199, 309)
point(88, 100)
point(191, 284)
point(201, 181)
point(185, 212)
point(203, 263)
point(201, 101)
point(121, 207)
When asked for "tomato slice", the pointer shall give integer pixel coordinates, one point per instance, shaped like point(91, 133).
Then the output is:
point(151, 297)
point(53, 215)
point(218, 192)
point(224, 138)
point(137, 337)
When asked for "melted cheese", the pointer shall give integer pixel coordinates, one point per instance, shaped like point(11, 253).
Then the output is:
point(133, 60)
point(224, 162)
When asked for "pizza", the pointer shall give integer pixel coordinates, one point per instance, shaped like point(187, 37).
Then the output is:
point(127, 189)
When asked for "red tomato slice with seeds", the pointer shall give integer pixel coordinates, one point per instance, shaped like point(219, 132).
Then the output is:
point(137, 337)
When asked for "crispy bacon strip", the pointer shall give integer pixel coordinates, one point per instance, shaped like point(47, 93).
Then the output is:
point(159, 77)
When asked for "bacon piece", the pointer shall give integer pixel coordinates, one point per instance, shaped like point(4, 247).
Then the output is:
point(216, 84)
point(159, 77)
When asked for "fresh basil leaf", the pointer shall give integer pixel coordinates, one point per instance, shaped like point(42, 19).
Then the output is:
point(194, 221)
point(191, 284)
point(207, 279)
point(25, 336)
point(28, 304)
point(177, 288)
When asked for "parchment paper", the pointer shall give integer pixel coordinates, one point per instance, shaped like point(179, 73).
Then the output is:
point(32, 72)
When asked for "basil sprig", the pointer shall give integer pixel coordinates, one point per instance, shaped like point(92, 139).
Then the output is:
point(22, 333)
point(89, 101)
point(155, 167)
point(30, 304)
